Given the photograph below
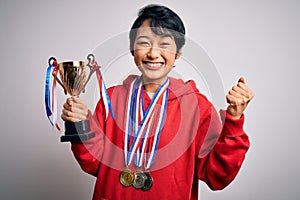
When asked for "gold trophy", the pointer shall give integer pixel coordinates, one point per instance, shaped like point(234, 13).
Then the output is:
point(73, 78)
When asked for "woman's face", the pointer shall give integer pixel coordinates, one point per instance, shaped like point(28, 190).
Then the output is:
point(154, 55)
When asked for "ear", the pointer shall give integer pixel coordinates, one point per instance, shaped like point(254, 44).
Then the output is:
point(178, 54)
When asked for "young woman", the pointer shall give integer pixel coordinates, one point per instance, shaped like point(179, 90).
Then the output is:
point(165, 135)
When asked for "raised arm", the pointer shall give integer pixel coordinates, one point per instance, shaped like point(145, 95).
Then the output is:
point(221, 155)
point(87, 153)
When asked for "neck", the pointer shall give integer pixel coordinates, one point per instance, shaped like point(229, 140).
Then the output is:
point(151, 87)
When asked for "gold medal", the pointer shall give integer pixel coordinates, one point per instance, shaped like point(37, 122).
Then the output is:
point(126, 177)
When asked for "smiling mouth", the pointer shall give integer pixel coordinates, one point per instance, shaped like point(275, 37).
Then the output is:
point(153, 65)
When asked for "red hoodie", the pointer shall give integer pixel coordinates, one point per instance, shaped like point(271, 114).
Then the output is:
point(193, 145)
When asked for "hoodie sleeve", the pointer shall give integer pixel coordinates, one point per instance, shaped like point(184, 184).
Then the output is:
point(222, 151)
point(88, 153)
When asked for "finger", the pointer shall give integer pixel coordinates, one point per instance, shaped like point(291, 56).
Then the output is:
point(69, 101)
point(77, 106)
point(230, 99)
point(66, 106)
point(249, 93)
point(71, 119)
point(240, 90)
point(68, 118)
point(243, 86)
point(76, 101)
point(76, 110)
point(243, 99)
point(71, 116)
point(80, 111)
point(63, 117)
point(236, 94)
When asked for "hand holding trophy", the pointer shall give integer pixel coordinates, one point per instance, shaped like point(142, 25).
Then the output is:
point(73, 79)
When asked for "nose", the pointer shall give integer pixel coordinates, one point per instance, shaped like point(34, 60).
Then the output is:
point(153, 53)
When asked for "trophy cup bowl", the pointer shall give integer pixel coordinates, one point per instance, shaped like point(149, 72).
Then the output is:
point(73, 79)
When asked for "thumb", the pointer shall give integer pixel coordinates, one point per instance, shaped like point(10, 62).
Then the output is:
point(242, 79)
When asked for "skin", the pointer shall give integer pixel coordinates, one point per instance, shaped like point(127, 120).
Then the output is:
point(74, 110)
point(238, 98)
point(154, 55)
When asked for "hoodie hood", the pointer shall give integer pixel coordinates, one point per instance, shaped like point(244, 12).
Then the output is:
point(177, 87)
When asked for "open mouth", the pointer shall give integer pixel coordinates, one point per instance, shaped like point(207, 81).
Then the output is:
point(153, 65)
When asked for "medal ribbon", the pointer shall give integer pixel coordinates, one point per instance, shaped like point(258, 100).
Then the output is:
point(47, 93)
point(146, 119)
point(150, 161)
point(51, 107)
point(129, 121)
point(103, 90)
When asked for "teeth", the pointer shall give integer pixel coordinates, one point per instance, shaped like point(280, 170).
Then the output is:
point(154, 64)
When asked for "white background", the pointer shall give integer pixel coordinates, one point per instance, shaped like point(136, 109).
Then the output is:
point(257, 39)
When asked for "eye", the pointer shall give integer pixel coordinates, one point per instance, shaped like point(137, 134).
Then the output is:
point(164, 44)
point(143, 43)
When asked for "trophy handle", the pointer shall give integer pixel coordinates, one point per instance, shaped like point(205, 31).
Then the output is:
point(52, 61)
point(60, 83)
point(91, 59)
point(92, 65)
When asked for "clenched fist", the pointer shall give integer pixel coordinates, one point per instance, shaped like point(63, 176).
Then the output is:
point(238, 98)
point(74, 110)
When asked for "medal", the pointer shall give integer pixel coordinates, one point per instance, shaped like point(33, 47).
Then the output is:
point(148, 182)
point(140, 125)
point(139, 180)
point(126, 177)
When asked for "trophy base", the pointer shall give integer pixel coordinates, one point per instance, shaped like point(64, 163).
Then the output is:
point(77, 131)
point(77, 137)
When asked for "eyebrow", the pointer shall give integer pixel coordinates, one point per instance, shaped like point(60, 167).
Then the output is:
point(142, 36)
point(167, 35)
point(162, 36)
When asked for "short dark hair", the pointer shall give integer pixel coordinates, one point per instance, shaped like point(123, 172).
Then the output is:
point(160, 18)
